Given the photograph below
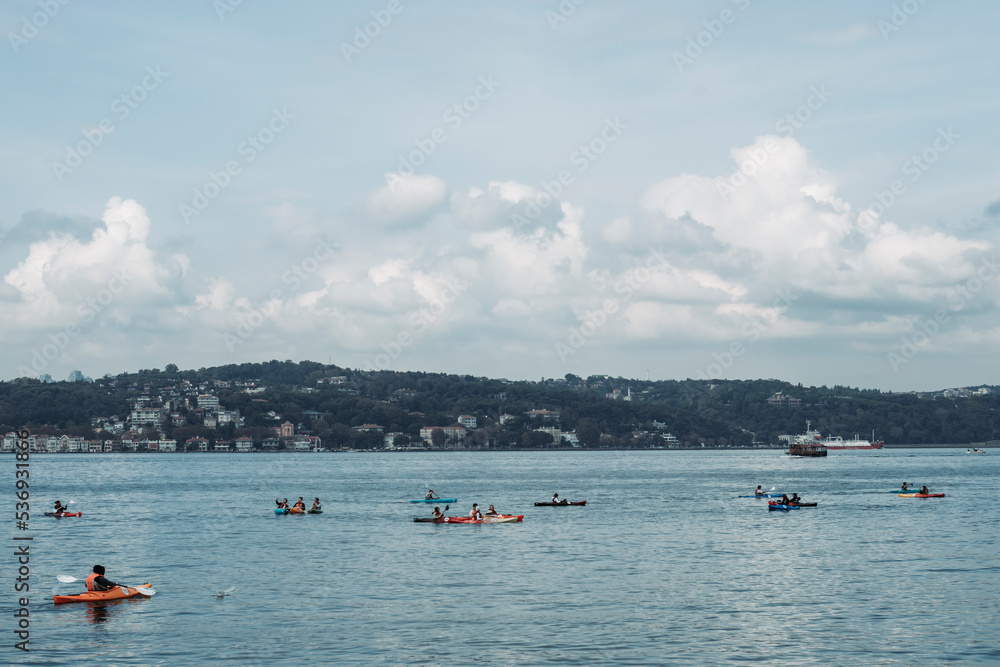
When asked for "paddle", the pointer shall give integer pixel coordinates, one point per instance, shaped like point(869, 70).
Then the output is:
point(66, 579)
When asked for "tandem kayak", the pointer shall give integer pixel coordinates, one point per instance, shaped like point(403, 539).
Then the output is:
point(500, 518)
point(765, 495)
point(436, 500)
point(503, 518)
point(580, 502)
point(281, 510)
point(771, 507)
point(59, 516)
point(314, 512)
point(116, 593)
point(921, 495)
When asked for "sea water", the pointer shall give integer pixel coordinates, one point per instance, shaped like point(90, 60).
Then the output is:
point(665, 565)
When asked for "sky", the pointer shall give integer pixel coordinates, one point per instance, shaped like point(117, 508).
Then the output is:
point(713, 189)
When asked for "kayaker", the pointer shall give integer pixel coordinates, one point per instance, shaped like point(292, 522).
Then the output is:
point(300, 504)
point(316, 506)
point(431, 495)
point(284, 504)
point(794, 500)
point(759, 491)
point(492, 512)
point(436, 514)
point(556, 501)
point(906, 486)
point(97, 582)
point(475, 513)
point(924, 491)
point(784, 499)
point(59, 508)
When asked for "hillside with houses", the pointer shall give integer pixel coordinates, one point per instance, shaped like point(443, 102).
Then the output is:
point(309, 407)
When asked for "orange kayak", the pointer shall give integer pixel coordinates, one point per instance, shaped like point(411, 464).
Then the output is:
point(116, 593)
point(296, 510)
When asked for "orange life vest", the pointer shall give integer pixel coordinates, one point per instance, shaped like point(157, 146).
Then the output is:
point(90, 581)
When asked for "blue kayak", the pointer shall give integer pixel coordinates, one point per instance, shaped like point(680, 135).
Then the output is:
point(281, 510)
point(436, 500)
point(765, 495)
point(783, 508)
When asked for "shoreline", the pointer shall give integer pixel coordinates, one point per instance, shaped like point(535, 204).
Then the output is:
point(546, 449)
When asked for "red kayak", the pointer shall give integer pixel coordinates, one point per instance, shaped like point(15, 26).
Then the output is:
point(59, 516)
point(500, 518)
point(581, 502)
point(116, 593)
point(921, 495)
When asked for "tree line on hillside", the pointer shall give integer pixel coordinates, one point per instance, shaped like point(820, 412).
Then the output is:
point(718, 412)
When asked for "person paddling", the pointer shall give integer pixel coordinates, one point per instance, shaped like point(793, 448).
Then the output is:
point(59, 508)
point(492, 512)
point(97, 582)
point(300, 504)
point(784, 499)
point(557, 501)
point(436, 514)
point(316, 506)
point(924, 491)
point(906, 486)
point(475, 513)
point(431, 495)
point(794, 500)
point(759, 491)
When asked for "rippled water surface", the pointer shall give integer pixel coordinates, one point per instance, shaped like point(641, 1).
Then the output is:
point(665, 565)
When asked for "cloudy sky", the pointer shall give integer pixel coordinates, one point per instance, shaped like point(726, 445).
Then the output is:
point(525, 189)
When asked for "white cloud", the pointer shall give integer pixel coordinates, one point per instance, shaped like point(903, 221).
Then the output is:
point(406, 198)
point(62, 272)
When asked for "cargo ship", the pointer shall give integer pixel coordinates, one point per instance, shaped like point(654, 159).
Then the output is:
point(835, 441)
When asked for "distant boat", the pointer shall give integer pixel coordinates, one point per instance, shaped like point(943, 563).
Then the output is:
point(804, 449)
point(975, 451)
point(806, 444)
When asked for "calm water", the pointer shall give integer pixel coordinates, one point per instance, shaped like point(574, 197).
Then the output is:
point(664, 565)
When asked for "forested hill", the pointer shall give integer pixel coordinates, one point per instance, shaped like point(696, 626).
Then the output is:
point(718, 412)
